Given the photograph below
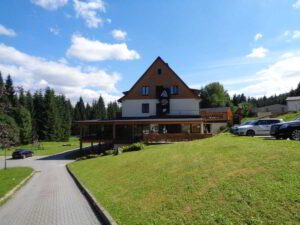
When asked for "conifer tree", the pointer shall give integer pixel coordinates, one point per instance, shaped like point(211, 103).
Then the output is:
point(112, 110)
point(39, 131)
point(51, 115)
point(23, 119)
point(10, 91)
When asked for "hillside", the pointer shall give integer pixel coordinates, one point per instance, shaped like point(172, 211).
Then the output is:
point(286, 117)
point(220, 180)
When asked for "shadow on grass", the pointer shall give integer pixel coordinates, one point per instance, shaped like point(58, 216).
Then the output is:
point(72, 154)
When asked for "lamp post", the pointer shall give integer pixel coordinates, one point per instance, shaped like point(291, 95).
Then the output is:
point(5, 159)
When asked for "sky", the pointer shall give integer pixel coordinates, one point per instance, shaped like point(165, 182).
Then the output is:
point(101, 47)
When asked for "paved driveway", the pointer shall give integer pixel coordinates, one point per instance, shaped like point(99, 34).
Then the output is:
point(49, 198)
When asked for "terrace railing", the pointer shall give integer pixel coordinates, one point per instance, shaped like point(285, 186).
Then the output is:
point(172, 137)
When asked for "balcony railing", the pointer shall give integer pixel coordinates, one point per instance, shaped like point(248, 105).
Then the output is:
point(175, 137)
point(215, 116)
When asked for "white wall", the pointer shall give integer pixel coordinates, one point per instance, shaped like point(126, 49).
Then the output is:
point(215, 127)
point(293, 105)
point(133, 108)
point(184, 107)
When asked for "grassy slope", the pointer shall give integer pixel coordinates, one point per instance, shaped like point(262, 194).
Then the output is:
point(290, 116)
point(11, 177)
point(286, 117)
point(220, 180)
point(49, 148)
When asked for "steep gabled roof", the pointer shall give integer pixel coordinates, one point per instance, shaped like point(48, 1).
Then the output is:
point(194, 92)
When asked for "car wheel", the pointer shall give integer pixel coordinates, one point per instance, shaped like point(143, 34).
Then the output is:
point(250, 133)
point(277, 138)
point(295, 135)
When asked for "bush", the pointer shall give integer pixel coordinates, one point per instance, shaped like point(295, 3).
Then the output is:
point(133, 147)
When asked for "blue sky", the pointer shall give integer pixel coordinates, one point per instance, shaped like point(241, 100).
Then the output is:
point(87, 48)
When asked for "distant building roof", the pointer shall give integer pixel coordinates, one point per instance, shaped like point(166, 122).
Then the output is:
point(217, 109)
point(293, 98)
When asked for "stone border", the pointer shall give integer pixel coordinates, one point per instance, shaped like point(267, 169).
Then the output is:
point(100, 211)
point(16, 188)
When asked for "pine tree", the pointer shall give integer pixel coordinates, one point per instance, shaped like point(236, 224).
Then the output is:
point(64, 118)
point(22, 98)
point(79, 113)
point(2, 94)
point(23, 119)
point(39, 129)
point(10, 91)
point(79, 110)
point(51, 115)
point(112, 110)
point(88, 111)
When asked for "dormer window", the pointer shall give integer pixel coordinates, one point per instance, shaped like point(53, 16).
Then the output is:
point(174, 90)
point(159, 72)
point(145, 90)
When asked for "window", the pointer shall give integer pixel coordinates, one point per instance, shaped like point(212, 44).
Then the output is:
point(145, 90)
point(159, 72)
point(174, 90)
point(145, 108)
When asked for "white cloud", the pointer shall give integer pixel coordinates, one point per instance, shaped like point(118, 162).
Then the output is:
point(119, 35)
point(277, 78)
point(88, 11)
point(50, 4)
point(296, 5)
point(7, 32)
point(54, 30)
point(93, 50)
point(258, 36)
point(296, 34)
point(260, 52)
point(34, 72)
point(289, 35)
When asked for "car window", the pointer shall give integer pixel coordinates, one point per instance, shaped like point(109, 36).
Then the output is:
point(262, 122)
point(252, 122)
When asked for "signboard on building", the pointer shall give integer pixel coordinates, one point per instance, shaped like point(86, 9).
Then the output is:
point(164, 101)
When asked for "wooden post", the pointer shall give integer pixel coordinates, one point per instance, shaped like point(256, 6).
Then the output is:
point(114, 131)
point(132, 133)
point(201, 128)
point(80, 139)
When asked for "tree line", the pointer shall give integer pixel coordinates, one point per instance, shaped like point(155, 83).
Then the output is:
point(44, 115)
point(215, 95)
point(27, 117)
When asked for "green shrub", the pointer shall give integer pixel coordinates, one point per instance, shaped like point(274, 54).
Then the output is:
point(133, 147)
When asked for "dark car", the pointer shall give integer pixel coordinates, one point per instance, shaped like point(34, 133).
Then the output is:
point(21, 154)
point(286, 130)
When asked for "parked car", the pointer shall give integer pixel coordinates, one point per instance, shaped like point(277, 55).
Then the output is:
point(286, 130)
point(234, 128)
point(21, 154)
point(258, 127)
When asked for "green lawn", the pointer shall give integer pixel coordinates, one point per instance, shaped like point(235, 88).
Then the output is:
point(220, 180)
point(49, 148)
point(11, 177)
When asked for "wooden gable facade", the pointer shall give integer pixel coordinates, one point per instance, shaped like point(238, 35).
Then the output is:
point(159, 74)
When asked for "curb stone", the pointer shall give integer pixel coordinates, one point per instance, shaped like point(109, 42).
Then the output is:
point(100, 211)
point(16, 188)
